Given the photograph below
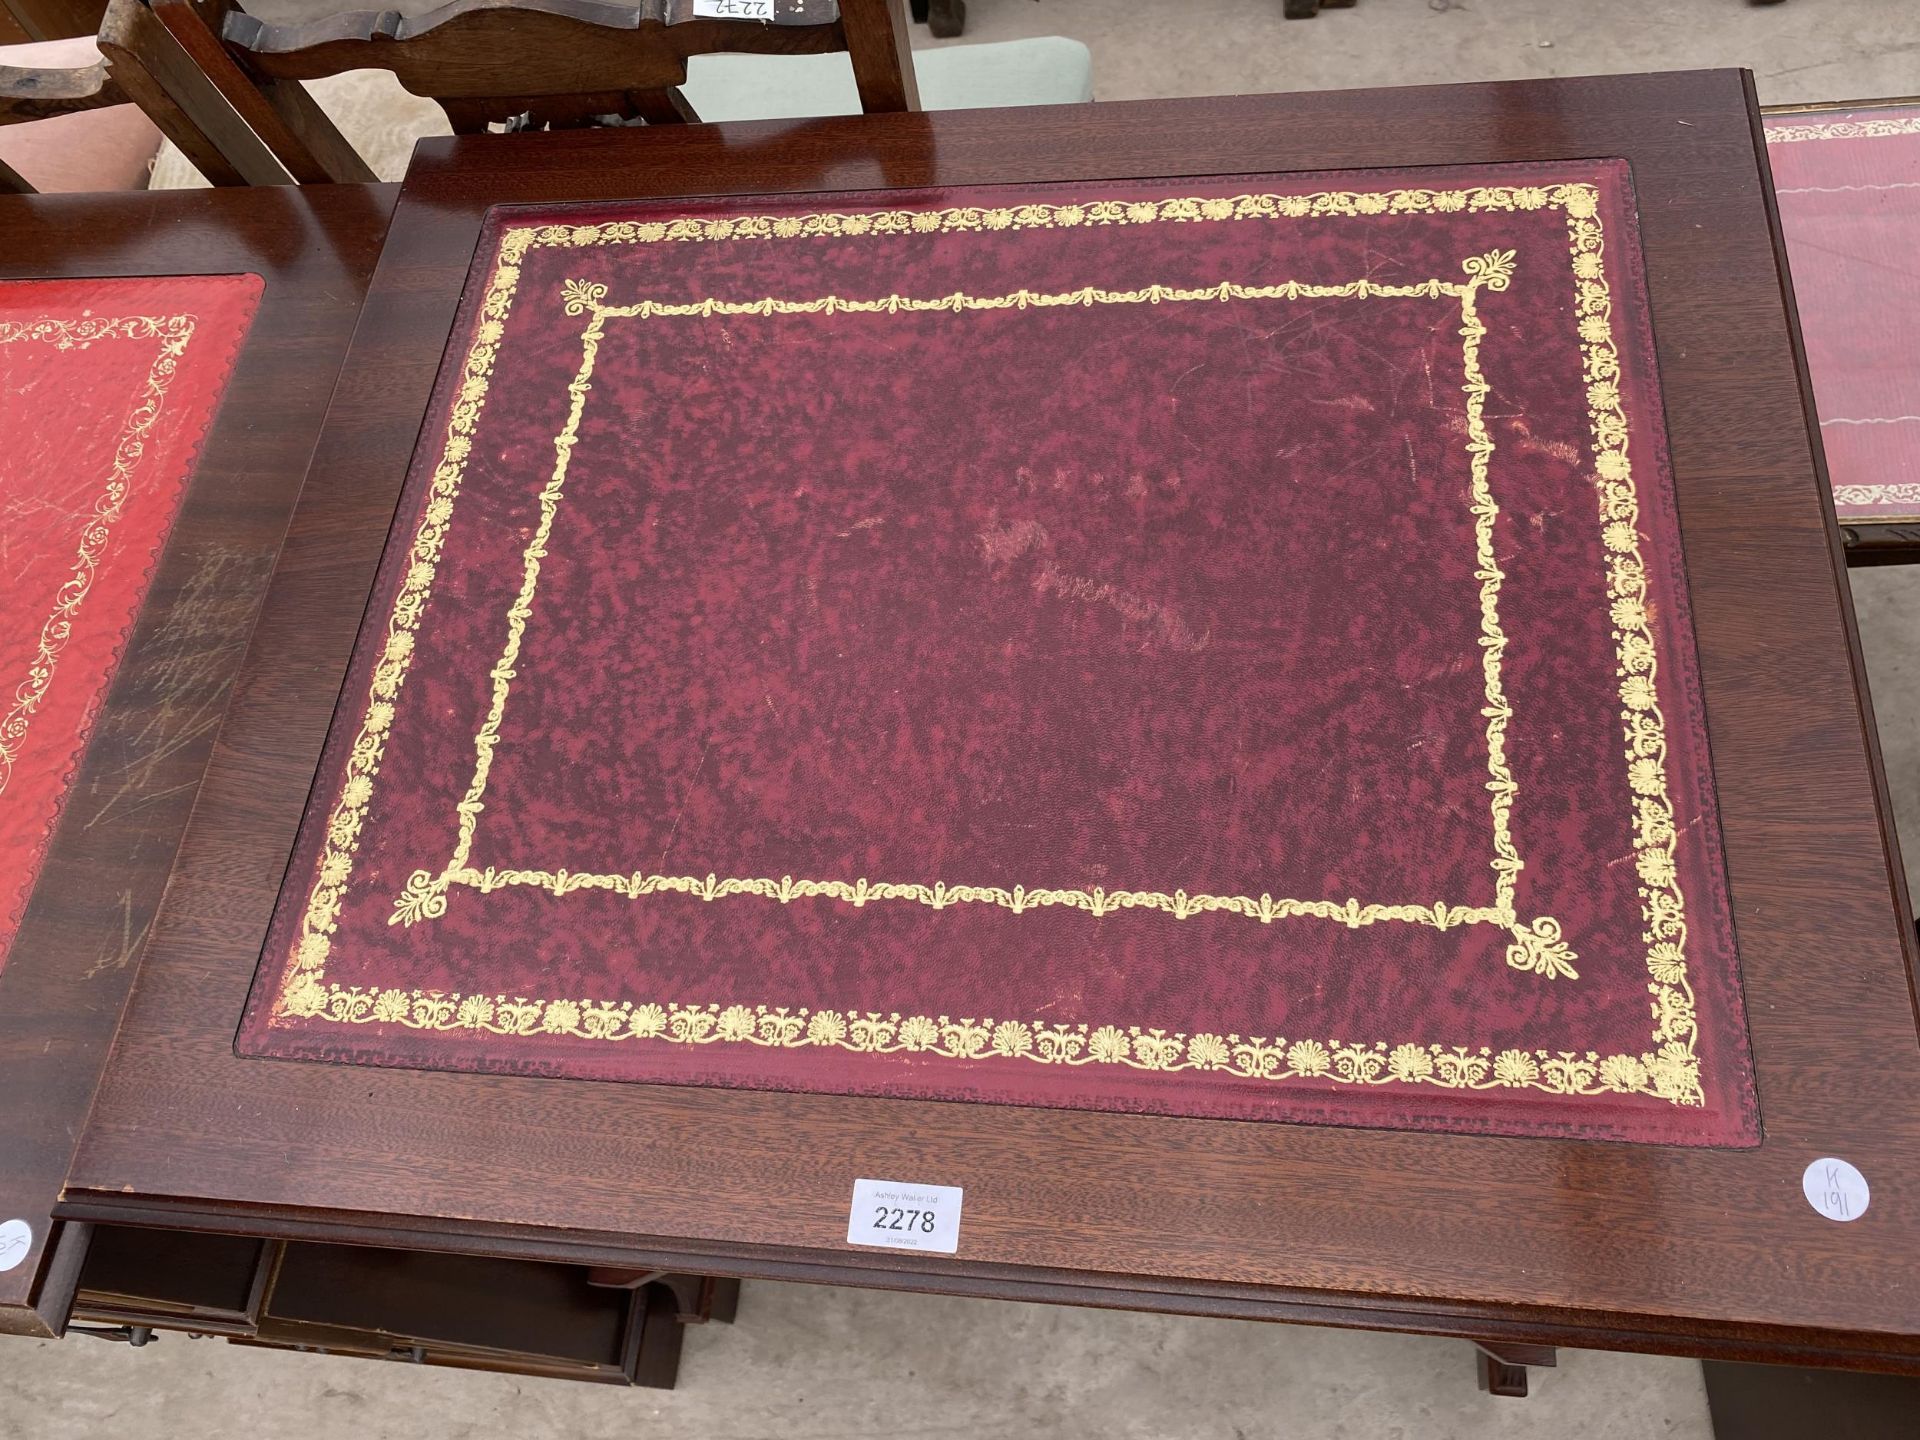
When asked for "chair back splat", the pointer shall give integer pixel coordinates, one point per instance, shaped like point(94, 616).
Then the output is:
point(523, 64)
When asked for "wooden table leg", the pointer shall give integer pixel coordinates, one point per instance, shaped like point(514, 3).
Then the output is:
point(657, 1363)
point(1775, 1402)
point(1503, 1367)
point(723, 1299)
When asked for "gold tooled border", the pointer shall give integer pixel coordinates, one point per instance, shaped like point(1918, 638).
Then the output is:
point(173, 332)
point(1668, 1069)
point(1842, 130)
point(1891, 494)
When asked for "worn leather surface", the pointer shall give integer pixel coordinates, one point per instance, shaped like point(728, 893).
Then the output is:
point(1848, 183)
point(106, 390)
point(1171, 596)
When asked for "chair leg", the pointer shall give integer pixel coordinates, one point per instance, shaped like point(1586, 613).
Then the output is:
point(920, 12)
point(154, 72)
point(665, 106)
point(244, 115)
point(1300, 9)
point(946, 18)
point(880, 45)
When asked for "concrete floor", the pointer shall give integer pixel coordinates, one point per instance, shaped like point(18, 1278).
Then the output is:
point(804, 1363)
point(809, 1363)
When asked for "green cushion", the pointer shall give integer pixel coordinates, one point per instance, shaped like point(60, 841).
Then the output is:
point(1049, 70)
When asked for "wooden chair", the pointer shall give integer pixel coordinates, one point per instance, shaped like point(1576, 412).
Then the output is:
point(521, 64)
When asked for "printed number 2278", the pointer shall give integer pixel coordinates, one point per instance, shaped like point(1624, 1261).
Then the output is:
point(888, 1217)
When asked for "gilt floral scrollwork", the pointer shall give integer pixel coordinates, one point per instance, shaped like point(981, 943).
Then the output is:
point(96, 527)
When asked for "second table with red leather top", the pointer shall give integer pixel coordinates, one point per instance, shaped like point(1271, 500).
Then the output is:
point(165, 362)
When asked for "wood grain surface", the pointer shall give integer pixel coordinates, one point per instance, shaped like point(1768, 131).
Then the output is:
point(1539, 1241)
point(80, 938)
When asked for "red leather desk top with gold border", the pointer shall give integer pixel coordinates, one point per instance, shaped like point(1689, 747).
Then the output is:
point(106, 388)
point(1848, 182)
point(1215, 647)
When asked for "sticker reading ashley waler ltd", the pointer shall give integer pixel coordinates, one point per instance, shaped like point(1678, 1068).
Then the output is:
point(905, 1216)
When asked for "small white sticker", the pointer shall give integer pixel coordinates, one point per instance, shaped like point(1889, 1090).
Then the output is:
point(1836, 1189)
point(734, 9)
point(906, 1217)
point(16, 1243)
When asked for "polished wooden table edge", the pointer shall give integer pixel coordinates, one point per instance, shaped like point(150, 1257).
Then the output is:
point(934, 1275)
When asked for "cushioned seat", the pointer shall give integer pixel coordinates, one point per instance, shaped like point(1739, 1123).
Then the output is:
point(383, 120)
point(106, 149)
point(1050, 70)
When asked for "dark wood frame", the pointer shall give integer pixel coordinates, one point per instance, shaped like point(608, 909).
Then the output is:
point(1703, 1252)
point(56, 19)
point(75, 955)
point(1868, 542)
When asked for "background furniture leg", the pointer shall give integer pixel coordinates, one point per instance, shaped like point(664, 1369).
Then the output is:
point(723, 1299)
point(697, 1298)
point(1773, 1402)
point(1503, 1367)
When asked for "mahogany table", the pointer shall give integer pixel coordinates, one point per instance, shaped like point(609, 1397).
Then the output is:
point(1542, 1241)
point(74, 956)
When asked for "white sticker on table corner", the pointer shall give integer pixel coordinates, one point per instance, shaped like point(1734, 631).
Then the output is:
point(733, 9)
point(905, 1216)
point(1836, 1189)
point(16, 1243)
